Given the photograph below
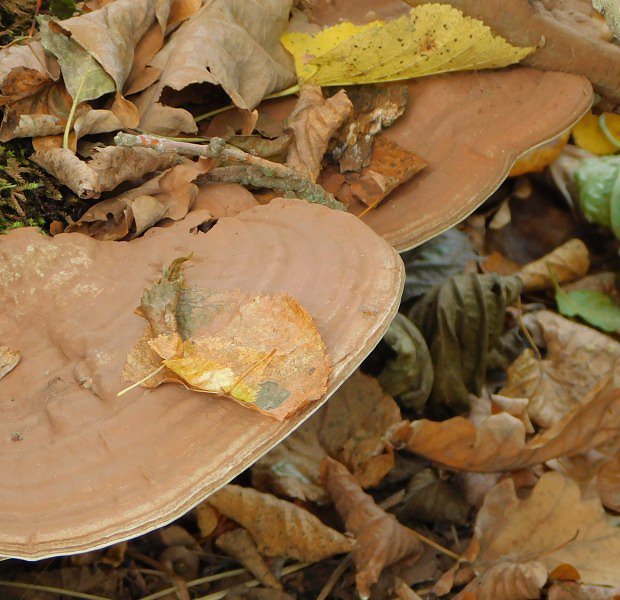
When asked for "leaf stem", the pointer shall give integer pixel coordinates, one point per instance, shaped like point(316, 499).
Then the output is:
point(51, 590)
point(65, 137)
point(139, 383)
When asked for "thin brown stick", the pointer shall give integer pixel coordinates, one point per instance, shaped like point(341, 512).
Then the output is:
point(257, 171)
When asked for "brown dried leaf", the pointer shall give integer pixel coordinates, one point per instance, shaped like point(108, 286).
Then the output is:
point(279, 527)
point(499, 442)
point(8, 360)
point(507, 581)
point(577, 359)
point(570, 590)
point(375, 107)
point(110, 167)
point(206, 518)
point(554, 525)
point(608, 482)
point(350, 428)
point(166, 196)
point(200, 50)
point(382, 540)
point(390, 166)
point(313, 122)
point(238, 544)
point(568, 262)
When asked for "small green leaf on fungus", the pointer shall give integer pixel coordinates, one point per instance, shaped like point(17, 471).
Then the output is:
point(598, 183)
point(85, 79)
point(462, 321)
point(430, 39)
point(596, 308)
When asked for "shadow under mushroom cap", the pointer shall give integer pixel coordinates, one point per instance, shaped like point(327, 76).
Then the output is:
point(89, 468)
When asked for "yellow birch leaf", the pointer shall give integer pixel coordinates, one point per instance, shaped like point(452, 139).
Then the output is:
point(589, 135)
point(432, 38)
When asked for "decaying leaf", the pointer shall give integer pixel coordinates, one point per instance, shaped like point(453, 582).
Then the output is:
point(109, 167)
point(410, 375)
point(350, 428)
point(381, 539)
point(568, 262)
point(200, 52)
point(239, 544)
point(435, 261)
point(428, 497)
point(462, 321)
point(554, 526)
point(577, 359)
point(499, 442)
point(313, 122)
point(432, 38)
point(207, 518)
point(263, 351)
point(8, 360)
point(375, 107)
point(571, 590)
point(279, 527)
point(608, 482)
point(166, 196)
point(389, 167)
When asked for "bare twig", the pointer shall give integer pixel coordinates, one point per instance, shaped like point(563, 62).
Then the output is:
point(255, 171)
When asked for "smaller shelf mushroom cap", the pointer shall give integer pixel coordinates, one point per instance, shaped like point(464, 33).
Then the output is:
point(89, 468)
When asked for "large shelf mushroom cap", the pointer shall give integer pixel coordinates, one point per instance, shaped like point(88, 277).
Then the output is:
point(470, 128)
point(89, 468)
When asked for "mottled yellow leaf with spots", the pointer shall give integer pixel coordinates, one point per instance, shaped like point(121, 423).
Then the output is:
point(432, 38)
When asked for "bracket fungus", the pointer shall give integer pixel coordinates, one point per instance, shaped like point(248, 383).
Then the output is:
point(81, 467)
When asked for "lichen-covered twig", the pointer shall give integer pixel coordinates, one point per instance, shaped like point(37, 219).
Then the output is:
point(248, 170)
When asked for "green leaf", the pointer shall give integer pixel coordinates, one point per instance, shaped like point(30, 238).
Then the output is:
point(410, 375)
point(596, 308)
point(435, 261)
point(462, 321)
point(63, 9)
point(598, 183)
point(84, 77)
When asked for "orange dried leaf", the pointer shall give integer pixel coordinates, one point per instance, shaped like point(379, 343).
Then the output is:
point(382, 539)
point(279, 527)
point(565, 572)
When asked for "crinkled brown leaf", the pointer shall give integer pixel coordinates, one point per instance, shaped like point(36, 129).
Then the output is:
point(351, 429)
point(462, 321)
point(200, 52)
point(577, 359)
point(507, 581)
point(499, 442)
point(375, 107)
point(239, 544)
point(167, 196)
point(568, 262)
point(110, 167)
point(410, 375)
point(381, 539)
point(8, 360)
point(390, 166)
point(554, 525)
point(263, 351)
point(313, 122)
point(279, 527)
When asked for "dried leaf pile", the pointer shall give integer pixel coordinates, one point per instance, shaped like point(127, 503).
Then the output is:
point(474, 454)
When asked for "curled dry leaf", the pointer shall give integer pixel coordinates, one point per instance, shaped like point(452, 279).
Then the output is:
point(499, 442)
point(8, 360)
point(568, 262)
point(554, 525)
point(279, 527)
point(199, 52)
point(381, 539)
point(577, 359)
point(431, 39)
point(460, 346)
point(166, 196)
point(239, 544)
point(109, 167)
point(313, 122)
point(507, 581)
point(263, 351)
point(350, 428)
